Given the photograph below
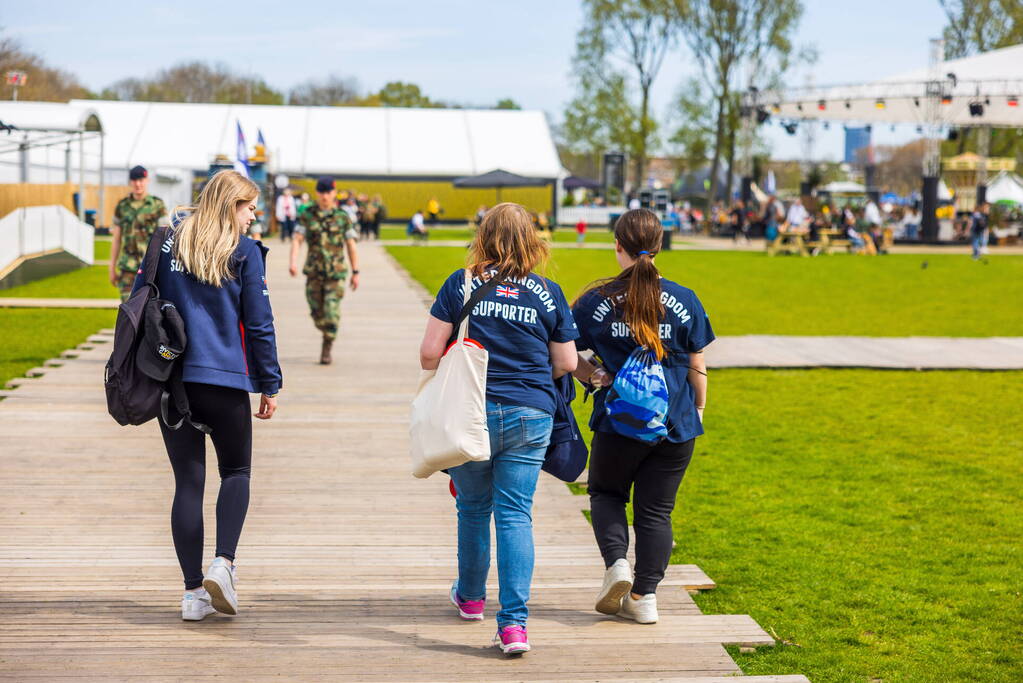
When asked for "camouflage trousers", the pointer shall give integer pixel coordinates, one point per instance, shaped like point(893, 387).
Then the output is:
point(324, 297)
point(124, 283)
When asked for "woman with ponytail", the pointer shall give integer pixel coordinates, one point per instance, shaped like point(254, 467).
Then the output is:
point(215, 277)
point(639, 308)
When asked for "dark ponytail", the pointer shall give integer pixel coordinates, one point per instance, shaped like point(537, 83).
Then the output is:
point(638, 232)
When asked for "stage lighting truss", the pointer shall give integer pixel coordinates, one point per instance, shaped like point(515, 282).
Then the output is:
point(1012, 101)
point(879, 104)
point(976, 109)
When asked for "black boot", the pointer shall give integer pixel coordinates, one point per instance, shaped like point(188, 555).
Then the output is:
point(325, 358)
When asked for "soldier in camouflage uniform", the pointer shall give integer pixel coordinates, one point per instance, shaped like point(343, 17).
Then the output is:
point(135, 219)
point(330, 233)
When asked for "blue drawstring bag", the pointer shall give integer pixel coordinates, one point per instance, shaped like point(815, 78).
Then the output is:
point(637, 402)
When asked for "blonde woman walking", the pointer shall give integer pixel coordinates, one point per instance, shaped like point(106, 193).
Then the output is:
point(526, 326)
point(216, 278)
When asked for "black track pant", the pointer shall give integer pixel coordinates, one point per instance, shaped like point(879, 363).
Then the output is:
point(226, 411)
point(617, 465)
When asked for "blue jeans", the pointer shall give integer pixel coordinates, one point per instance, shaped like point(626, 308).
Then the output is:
point(979, 242)
point(504, 486)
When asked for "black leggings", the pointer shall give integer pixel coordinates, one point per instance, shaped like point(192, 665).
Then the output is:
point(616, 464)
point(226, 411)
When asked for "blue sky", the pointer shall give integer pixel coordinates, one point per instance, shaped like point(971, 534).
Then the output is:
point(458, 50)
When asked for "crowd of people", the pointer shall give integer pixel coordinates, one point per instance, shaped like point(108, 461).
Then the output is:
point(633, 321)
point(363, 211)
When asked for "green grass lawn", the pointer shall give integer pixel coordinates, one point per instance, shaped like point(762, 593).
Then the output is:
point(101, 249)
point(32, 335)
point(750, 293)
point(84, 283)
point(870, 519)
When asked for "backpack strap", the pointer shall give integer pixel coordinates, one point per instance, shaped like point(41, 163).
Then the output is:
point(175, 389)
point(152, 260)
point(477, 296)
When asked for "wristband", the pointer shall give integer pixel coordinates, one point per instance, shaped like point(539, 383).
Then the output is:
point(355, 272)
point(272, 395)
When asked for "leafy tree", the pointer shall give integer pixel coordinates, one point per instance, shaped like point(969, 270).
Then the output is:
point(693, 135)
point(44, 83)
point(400, 94)
point(507, 103)
point(619, 37)
point(730, 37)
point(333, 91)
point(981, 25)
point(196, 82)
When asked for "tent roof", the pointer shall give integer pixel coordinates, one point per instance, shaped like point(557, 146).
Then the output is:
point(991, 78)
point(55, 117)
point(499, 178)
point(844, 187)
point(336, 140)
point(1005, 186)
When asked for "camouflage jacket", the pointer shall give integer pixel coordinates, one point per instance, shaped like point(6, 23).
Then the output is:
point(137, 220)
point(326, 233)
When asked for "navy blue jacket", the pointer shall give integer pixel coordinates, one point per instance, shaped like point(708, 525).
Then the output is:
point(231, 340)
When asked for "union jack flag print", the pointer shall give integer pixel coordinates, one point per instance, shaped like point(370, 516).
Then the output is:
point(508, 292)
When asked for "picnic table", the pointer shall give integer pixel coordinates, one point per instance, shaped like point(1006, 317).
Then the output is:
point(793, 242)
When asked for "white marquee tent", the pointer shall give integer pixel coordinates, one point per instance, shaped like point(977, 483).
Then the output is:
point(174, 140)
point(1006, 187)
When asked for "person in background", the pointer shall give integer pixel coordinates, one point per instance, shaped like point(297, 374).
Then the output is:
point(379, 214)
point(367, 214)
point(634, 202)
point(773, 213)
point(286, 212)
point(136, 218)
point(911, 223)
point(417, 230)
point(580, 232)
point(849, 223)
point(527, 328)
point(639, 308)
point(433, 211)
point(303, 203)
point(797, 216)
point(330, 234)
point(738, 219)
point(216, 279)
point(480, 213)
point(979, 229)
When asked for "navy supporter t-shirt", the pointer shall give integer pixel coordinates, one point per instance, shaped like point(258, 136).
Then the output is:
point(514, 322)
point(684, 329)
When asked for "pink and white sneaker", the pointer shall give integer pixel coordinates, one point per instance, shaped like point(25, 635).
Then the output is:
point(470, 610)
point(512, 639)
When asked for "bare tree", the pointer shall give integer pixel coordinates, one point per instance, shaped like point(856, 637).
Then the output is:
point(196, 82)
point(45, 84)
point(334, 90)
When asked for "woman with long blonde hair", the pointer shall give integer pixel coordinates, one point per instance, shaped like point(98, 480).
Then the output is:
point(524, 322)
point(216, 278)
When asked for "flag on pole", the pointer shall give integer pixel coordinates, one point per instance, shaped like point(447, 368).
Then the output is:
point(259, 138)
point(241, 161)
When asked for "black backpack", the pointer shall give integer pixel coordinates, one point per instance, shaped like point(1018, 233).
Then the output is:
point(143, 376)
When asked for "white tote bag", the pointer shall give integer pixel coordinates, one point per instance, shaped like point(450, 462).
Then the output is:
point(448, 426)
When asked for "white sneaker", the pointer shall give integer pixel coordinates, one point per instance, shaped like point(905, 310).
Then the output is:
point(617, 582)
point(195, 605)
point(642, 611)
point(220, 584)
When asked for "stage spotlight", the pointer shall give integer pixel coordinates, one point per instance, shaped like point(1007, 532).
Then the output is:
point(827, 125)
point(946, 99)
point(799, 106)
point(953, 134)
point(776, 108)
point(848, 105)
point(1013, 101)
point(916, 101)
point(976, 109)
point(868, 128)
point(790, 128)
point(762, 115)
point(821, 105)
point(879, 104)
point(920, 129)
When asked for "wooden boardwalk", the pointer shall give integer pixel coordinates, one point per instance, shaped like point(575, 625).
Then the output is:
point(345, 560)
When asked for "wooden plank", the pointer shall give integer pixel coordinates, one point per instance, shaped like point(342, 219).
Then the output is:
point(345, 561)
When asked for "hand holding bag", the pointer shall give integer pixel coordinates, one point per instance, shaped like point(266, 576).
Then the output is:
point(448, 425)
